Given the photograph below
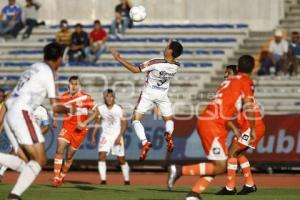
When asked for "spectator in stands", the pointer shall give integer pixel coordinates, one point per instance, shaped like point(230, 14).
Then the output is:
point(63, 37)
point(265, 63)
point(278, 51)
point(98, 37)
point(294, 52)
point(30, 17)
point(79, 41)
point(10, 20)
point(122, 20)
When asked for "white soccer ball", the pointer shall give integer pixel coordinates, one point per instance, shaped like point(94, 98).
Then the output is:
point(137, 13)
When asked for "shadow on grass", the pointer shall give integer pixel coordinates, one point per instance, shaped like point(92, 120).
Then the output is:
point(174, 191)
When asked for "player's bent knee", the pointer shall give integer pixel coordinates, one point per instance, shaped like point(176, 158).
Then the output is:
point(122, 160)
point(35, 166)
point(221, 166)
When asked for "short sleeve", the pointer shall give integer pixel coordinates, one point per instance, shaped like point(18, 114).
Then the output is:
point(247, 88)
point(44, 117)
point(286, 46)
point(50, 84)
point(150, 65)
point(271, 46)
point(90, 103)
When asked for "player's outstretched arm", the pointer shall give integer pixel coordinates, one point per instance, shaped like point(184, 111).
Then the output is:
point(123, 61)
point(92, 117)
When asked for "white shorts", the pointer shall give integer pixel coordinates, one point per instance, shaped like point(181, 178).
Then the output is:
point(21, 125)
point(147, 102)
point(107, 144)
point(10, 135)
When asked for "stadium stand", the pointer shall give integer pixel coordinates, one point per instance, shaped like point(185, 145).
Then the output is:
point(208, 47)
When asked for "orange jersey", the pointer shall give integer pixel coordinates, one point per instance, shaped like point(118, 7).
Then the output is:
point(228, 99)
point(243, 122)
point(83, 103)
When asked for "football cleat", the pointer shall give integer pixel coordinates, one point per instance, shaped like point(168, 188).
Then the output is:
point(170, 142)
point(13, 197)
point(192, 196)
point(225, 191)
point(57, 182)
point(126, 182)
point(246, 190)
point(145, 148)
point(174, 172)
point(103, 183)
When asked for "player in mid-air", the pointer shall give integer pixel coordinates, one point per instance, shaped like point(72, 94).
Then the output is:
point(211, 126)
point(70, 137)
point(240, 143)
point(34, 85)
point(114, 125)
point(40, 116)
point(155, 92)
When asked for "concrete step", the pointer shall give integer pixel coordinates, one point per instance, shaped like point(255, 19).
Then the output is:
point(260, 34)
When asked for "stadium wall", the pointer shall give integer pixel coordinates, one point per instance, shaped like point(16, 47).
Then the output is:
point(281, 143)
point(259, 14)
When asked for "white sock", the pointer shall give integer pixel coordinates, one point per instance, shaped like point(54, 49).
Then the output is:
point(27, 176)
point(102, 170)
point(140, 131)
point(169, 126)
point(125, 171)
point(3, 170)
point(12, 162)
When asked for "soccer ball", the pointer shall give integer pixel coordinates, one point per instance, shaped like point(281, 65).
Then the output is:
point(137, 13)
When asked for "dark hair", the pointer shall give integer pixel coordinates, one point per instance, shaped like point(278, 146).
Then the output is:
point(295, 33)
point(177, 49)
point(63, 21)
point(73, 78)
point(108, 91)
point(246, 64)
point(53, 51)
point(233, 68)
point(97, 22)
point(78, 25)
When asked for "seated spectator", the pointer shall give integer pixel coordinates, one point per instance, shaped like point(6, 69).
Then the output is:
point(63, 37)
point(30, 17)
point(294, 53)
point(10, 20)
point(98, 37)
point(278, 51)
point(122, 20)
point(79, 41)
point(265, 63)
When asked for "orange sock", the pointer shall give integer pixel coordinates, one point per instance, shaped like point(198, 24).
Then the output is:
point(245, 165)
point(200, 169)
point(202, 184)
point(231, 173)
point(58, 160)
point(65, 168)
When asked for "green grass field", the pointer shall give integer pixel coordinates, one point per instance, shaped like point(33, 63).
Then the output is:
point(91, 192)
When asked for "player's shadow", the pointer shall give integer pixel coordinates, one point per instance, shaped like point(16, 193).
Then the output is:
point(165, 190)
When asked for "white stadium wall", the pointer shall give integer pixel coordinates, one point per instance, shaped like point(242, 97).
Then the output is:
point(259, 14)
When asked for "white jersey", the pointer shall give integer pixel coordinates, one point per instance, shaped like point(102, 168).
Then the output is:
point(41, 117)
point(34, 85)
point(111, 119)
point(159, 75)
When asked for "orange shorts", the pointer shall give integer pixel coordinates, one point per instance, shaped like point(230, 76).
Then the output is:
point(73, 137)
point(244, 140)
point(213, 136)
